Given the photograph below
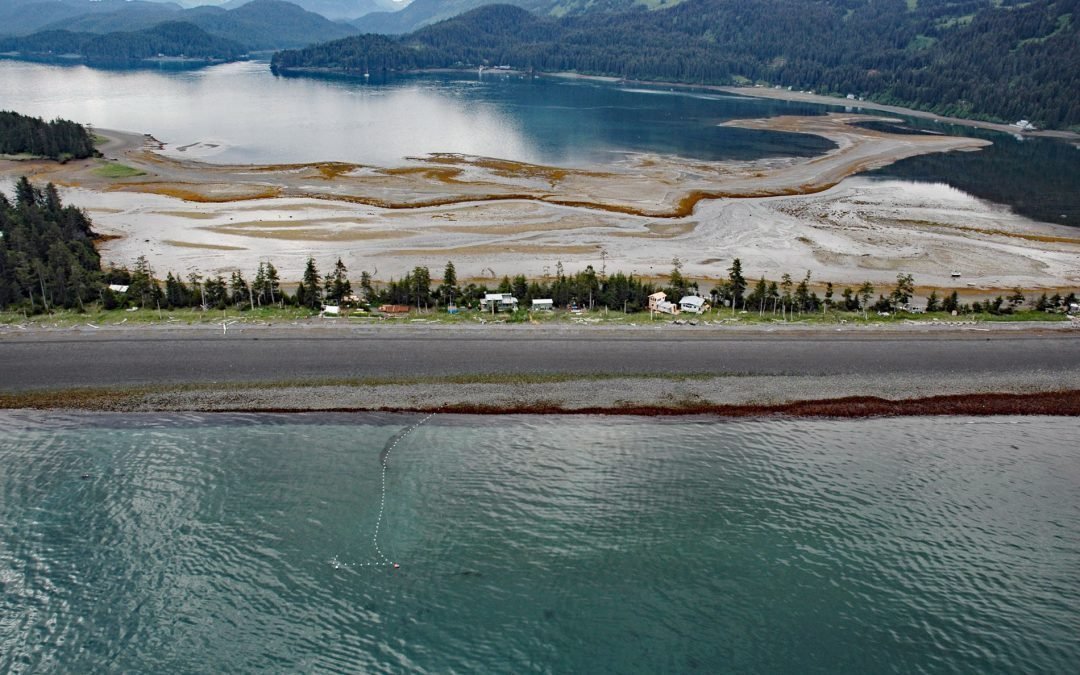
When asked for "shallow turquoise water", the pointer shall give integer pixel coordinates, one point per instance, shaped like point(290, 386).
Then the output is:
point(565, 544)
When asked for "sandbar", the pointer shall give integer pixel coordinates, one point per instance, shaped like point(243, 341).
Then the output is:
point(494, 217)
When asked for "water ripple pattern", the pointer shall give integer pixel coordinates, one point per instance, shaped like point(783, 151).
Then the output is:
point(183, 543)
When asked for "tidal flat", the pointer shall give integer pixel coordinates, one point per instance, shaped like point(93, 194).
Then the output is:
point(494, 217)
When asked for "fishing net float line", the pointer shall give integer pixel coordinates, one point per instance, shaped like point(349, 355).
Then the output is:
point(384, 459)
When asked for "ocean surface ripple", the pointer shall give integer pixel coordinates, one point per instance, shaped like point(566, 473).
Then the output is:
point(179, 543)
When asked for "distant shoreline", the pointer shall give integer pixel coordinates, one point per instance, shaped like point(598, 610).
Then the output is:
point(805, 97)
point(749, 91)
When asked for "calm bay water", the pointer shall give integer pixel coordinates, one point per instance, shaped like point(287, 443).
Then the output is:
point(256, 117)
point(1036, 177)
point(187, 542)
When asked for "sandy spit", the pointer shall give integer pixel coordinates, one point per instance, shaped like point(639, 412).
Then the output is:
point(494, 217)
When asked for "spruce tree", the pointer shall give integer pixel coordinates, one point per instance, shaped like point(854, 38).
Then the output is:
point(337, 284)
point(273, 283)
point(367, 290)
point(736, 283)
point(312, 291)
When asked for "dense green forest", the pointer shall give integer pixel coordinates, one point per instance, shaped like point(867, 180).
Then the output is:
point(59, 139)
point(47, 255)
point(172, 39)
point(1001, 60)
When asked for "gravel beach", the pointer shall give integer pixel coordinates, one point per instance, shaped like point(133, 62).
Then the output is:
point(905, 369)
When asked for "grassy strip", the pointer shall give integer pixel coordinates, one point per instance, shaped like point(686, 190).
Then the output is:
point(1059, 403)
point(70, 318)
point(186, 316)
point(117, 170)
point(111, 398)
point(96, 399)
point(489, 378)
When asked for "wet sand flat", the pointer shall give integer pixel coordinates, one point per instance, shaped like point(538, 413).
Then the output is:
point(494, 217)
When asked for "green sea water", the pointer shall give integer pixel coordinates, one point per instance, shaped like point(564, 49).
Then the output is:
point(247, 543)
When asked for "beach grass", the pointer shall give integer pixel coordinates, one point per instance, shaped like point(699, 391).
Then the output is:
point(95, 317)
point(117, 170)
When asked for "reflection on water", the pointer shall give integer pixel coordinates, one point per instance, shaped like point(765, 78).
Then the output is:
point(241, 113)
point(568, 544)
point(253, 116)
point(1037, 177)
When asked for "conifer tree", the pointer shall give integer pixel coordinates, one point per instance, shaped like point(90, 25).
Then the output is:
point(736, 283)
point(312, 291)
point(337, 284)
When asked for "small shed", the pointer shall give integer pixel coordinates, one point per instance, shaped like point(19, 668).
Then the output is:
point(394, 309)
point(543, 304)
point(118, 288)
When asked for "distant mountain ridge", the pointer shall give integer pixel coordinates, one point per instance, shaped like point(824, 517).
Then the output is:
point(22, 17)
point(968, 58)
point(335, 10)
point(171, 40)
point(425, 12)
point(257, 25)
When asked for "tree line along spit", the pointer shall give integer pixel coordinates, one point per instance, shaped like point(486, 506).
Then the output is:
point(48, 261)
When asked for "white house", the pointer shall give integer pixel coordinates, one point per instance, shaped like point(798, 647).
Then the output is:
point(118, 288)
point(693, 304)
point(498, 302)
point(1024, 125)
point(543, 304)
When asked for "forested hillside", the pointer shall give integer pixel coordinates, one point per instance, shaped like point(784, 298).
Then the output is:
point(974, 58)
point(336, 10)
point(173, 39)
point(266, 24)
point(47, 256)
point(59, 139)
